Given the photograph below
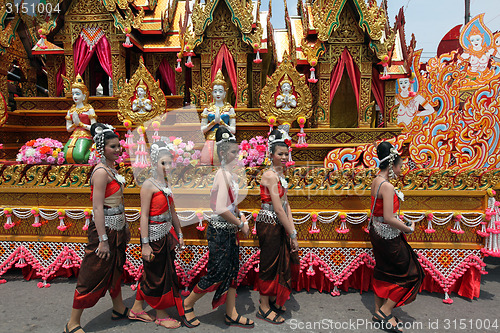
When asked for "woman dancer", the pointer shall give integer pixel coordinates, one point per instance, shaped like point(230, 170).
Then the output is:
point(108, 234)
point(159, 285)
point(276, 232)
point(223, 260)
point(397, 273)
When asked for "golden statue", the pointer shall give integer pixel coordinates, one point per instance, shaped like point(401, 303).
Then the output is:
point(218, 113)
point(78, 121)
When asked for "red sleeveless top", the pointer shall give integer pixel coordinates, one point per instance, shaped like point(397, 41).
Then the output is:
point(378, 210)
point(111, 188)
point(265, 196)
point(159, 204)
point(213, 198)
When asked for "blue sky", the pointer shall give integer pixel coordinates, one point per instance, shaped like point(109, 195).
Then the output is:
point(429, 20)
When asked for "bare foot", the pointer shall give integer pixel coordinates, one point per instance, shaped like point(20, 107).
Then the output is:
point(168, 322)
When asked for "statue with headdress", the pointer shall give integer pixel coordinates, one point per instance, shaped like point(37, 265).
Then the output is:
point(286, 100)
point(476, 41)
point(141, 103)
point(78, 121)
point(218, 113)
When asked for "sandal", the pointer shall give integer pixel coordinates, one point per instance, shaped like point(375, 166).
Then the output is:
point(189, 323)
point(230, 322)
point(135, 316)
point(119, 316)
point(66, 330)
point(276, 308)
point(158, 322)
point(386, 325)
point(265, 316)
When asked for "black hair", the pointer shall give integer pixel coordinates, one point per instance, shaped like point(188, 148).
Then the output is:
point(383, 150)
point(107, 135)
point(277, 135)
point(223, 146)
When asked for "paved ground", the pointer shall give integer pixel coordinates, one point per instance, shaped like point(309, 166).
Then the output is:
point(25, 308)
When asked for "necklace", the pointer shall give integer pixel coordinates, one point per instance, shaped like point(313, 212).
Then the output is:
point(282, 179)
point(119, 178)
point(164, 188)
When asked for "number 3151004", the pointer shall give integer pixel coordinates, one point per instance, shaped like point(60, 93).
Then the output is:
point(32, 8)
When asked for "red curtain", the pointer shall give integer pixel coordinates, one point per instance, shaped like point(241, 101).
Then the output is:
point(82, 55)
point(167, 75)
point(346, 61)
point(378, 90)
point(59, 79)
point(225, 56)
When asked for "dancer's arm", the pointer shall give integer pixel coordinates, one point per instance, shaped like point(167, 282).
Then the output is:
point(147, 192)
point(99, 182)
point(177, 225)
point(387, 192)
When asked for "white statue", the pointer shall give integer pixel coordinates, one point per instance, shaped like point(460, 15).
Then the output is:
point(141, 104)
point(99, 90)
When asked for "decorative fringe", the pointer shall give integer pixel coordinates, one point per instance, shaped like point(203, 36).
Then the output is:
point(290, 160)
point(62, 214)
point(335, 291)
point(200, 226)
point(301, 142)
point(189, 63)
point(257, 59)
point(312, 76)
point(178, 69)
point(88, 215)
point(430, 229)
point(314, 229)
point(343, 227)
point(447, 299)
point(127, 43)
point(8, 222)
point(140, 154)
point(36, 213)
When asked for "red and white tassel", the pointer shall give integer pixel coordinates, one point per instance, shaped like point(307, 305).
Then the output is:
point(200, 226)
point(178, 69)
point(156, 128)
point(301, 141)
point(8, 222)
point(314, 228)
point(456, 227)
point(312, 77)
point(88, 215)
point(129, 137)
point(36, 213)
point(140, 154)
point(290, 160)
point(41, 42)
point(430, 229)
point(257, 59)
point(189, 62)
point(62, 214)
point(127, 43)
point(343, 226)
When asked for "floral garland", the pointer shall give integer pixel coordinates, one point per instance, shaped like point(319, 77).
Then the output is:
point(253, 151)
point(41, 151)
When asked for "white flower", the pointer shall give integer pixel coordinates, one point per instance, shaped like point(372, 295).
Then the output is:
point(120, 179)
point(30, 152)
point(225, 136)
point(167, 191)
point(400, 195)
point(394, 151)
point(272, 137)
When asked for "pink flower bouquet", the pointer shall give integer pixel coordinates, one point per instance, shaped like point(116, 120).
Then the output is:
point(41, 151)
point(253, 151)
point(184, 153)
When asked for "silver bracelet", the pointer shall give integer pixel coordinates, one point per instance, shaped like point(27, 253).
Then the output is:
point(242, 224)
point(103, 238)
point(241, 214)
point(145, 240)
point(180, 235)
point(293, 235)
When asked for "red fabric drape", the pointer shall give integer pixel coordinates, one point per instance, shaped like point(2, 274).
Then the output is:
point(103, 50)
point(346, 61)
point(82, 55)
point(225, 56)
point(378, 90)
point(59, 79)
point(167, 75)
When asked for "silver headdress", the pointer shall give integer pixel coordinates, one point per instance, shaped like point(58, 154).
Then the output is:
point(99, 139)
point(227, 137)
point(393, 153)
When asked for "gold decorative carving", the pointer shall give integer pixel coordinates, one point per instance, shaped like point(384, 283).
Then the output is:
point(348, 31)
point(272, 87)
point(312, 51)
point(156, 96)
point(3, 110)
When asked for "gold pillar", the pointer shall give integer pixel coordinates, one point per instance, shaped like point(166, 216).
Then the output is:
point(364, 111)
point(323, 106)
point(256, 84)
point(118, 57)
point(68, 61)
point(241, 72)
point(390, 95)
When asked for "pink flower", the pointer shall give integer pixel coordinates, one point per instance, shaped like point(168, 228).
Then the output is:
point(186, 155)
point(261, 148)
point(180, 151)
point(171, 138)
point(179, 159)
point(182, 145)
point(260, 160)
point(245, 146)
point(60, 160)
point(186, 162)
point(30, 160)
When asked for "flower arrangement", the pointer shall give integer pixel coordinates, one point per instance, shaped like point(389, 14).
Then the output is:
point(253, 151)
point(184, 153)
point(41, 151)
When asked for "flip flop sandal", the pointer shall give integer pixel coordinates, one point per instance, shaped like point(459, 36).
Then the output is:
point(265, 317)
point(119, 316)
point(230, 322)
point(66, 330)
point(189, 323)
point(158, 322)
point(276, 307)
point(135, 316)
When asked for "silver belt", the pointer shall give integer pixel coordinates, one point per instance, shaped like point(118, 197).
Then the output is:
point(158, 231)
point(269, 206)
point(115, 222)
point(267, 216)
point(383, 229)
point(165, 217)
point(220, 223)
point(114, 210)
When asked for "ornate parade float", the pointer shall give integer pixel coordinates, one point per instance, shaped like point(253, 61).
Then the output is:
point(340, 74)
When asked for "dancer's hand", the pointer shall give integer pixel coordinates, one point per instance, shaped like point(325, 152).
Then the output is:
point(245, 230)
point(295, 245)
point(147, 252)
point(182, 245)
point(102, 250)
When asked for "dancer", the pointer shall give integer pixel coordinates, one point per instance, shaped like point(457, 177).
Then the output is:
point(108, 234)
point(159, 285)
point(276, 232)
point(397, 275)
point(223, 260)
